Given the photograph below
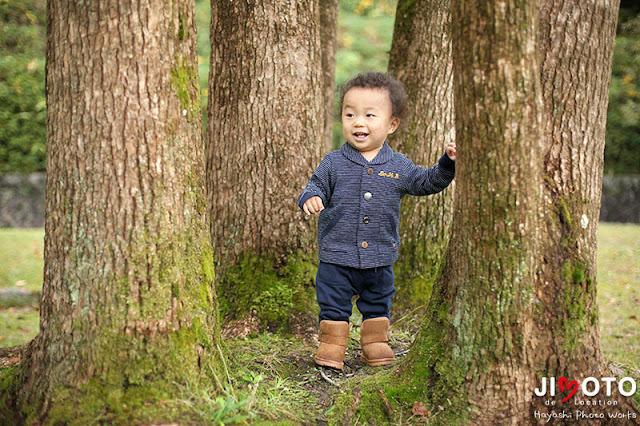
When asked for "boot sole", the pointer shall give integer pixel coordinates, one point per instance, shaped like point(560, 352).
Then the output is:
point(377, 362)
point(329, 363)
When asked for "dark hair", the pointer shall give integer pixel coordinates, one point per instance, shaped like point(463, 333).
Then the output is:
point(379, 80)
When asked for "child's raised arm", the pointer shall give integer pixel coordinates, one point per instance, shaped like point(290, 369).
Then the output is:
point(423, 181)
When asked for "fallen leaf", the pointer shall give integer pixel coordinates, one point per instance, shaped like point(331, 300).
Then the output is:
point(419, 409)
point(21, 283)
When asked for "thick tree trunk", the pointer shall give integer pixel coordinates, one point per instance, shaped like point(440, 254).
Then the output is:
point(421, 59)
point(266, 124)
point(486, 291)
point(328, 37)
point(576, 52)
point(128, 305)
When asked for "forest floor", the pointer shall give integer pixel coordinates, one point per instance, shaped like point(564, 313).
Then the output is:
point(272, 376)
point(279, 379)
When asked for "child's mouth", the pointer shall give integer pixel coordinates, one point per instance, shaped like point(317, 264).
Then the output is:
point(360, 136)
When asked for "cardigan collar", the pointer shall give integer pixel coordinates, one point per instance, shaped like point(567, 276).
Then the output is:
point(385, 154)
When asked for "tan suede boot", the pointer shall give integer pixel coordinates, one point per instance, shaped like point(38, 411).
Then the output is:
point(334, 336)
point(374, 335)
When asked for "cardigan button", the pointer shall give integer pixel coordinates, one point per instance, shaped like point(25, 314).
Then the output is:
point(366, 219)
point(368, 196)
point(365, 244)
point(369, 171)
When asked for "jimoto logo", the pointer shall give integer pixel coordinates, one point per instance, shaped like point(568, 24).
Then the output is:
point(590, 386)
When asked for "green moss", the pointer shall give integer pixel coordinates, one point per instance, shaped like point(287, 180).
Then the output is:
point(563, 211)
point(276, 293)
point(101, 402)
point(185, 81)
point(415, 274)
point(181, 28)
point(146, 385)
point(574, 324)
point(9, 386)
point(577, 276)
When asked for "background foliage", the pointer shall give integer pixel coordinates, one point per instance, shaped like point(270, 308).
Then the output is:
point(22, 100)
point(365, 29)
point(622, 150)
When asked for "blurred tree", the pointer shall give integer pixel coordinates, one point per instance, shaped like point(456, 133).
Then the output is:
point(265, 136)
point(421, 59)
point(622, 150)
point(128, 312)
point(365, 29)
point(328, 37)
point(22, 100)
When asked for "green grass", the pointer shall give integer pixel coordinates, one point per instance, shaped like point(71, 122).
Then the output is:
point(18, 325)
point(21, 258)
point(21, 266)
point(619, 293)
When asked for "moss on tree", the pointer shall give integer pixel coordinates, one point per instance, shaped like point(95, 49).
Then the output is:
point(277, 291)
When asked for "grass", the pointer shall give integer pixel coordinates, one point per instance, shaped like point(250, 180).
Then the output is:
point(277, 374)
point(21, 258)
point(18, 325)
point(619, 293)
point(21, 267)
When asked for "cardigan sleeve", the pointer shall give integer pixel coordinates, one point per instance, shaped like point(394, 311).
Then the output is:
point(423, 181)
point(320, 184)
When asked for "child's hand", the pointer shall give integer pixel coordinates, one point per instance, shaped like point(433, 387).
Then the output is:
point(313, 205)
point(451, 150)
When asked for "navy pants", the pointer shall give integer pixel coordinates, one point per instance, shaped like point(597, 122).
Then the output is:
point(336, 285)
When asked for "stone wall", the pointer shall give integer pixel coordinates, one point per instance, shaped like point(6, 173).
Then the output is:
point(22, 200)
point(621, 199)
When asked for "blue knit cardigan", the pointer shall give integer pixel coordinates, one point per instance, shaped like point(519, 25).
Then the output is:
point(359, 225)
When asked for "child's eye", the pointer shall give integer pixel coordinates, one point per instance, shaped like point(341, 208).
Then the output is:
point(370, 115)
point(348, 115)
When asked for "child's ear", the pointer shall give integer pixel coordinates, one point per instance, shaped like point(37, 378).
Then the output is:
point(395, 123)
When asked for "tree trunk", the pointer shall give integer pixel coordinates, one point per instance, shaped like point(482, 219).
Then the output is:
point(576, 53)
point(128, 306)
point(421, 59)
point(486, 289)
point(266, 124)
point(328, 37)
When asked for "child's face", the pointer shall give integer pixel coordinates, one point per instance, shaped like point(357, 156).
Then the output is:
point(367, 119)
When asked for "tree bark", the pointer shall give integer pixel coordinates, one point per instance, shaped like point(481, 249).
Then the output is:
point(576, 53)
point(421, 59)
point(128, 306)
point(485, 292)
point(328, 37)
point(266, 124)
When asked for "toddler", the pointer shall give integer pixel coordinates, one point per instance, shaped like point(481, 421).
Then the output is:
point(357, 191)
